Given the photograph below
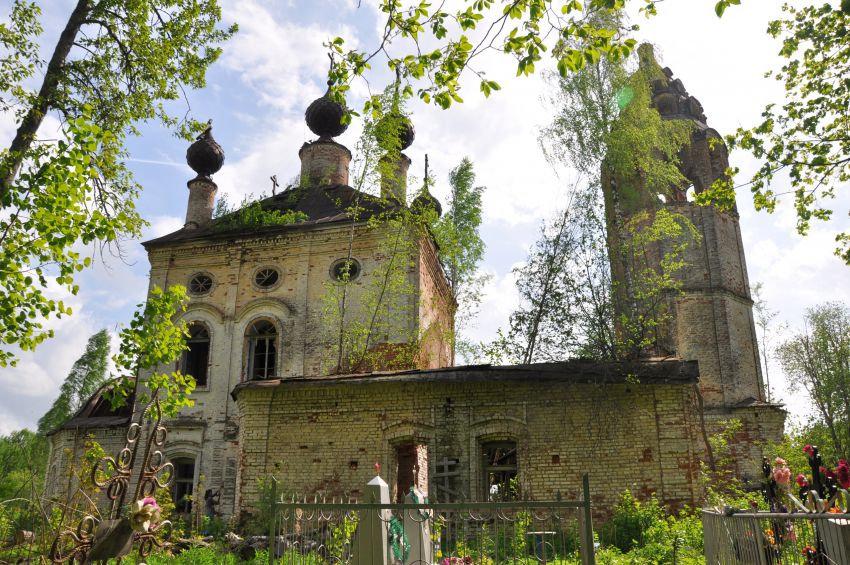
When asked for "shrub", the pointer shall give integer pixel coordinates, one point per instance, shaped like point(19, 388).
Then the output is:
point(631, 520)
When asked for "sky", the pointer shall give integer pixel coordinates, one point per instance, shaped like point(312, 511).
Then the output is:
point(276, 65)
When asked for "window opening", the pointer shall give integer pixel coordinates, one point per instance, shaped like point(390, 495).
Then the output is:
point(266, 278)
point(345, 270)
point(262, 350)
point(183, 486)
point(500, 470)
point(196, 358)
point(200, 284)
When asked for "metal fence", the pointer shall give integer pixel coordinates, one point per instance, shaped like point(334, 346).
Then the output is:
point(764, 538)
point(474, 533)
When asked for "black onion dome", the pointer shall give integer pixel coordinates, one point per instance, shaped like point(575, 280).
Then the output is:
point(406, 133)
point(205, 156)
point(427, 200)
point(324, 116)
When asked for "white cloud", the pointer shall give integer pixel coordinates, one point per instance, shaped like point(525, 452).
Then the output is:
point(162, 225)
point(502, 144)
point(499, 299)
point(272, 152)
point(9, 423)
point(278, 60)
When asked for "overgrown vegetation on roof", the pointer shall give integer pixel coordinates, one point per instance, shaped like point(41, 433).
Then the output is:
point(251, 214)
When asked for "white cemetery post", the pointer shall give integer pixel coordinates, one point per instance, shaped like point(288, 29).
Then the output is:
point(418, 530)
point(370, 540)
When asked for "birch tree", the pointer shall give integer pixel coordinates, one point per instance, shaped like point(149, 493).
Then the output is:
point(115, 65)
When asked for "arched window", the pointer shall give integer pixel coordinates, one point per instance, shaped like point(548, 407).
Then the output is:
point(262, 350)
point(196, 359)
point(183, 484)
point(500, 470)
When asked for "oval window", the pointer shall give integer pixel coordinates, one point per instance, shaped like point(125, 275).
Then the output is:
point(200, 284)
point(344, 270)
point(266, 278)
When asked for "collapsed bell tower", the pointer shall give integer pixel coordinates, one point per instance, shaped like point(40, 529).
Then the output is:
point(711, 318)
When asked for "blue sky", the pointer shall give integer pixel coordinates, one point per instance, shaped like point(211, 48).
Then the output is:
point(276, 65)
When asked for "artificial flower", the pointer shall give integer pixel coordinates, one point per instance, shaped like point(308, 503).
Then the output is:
point(843, 473)
point(771, 539)
point(782, 476)
point(144, 513)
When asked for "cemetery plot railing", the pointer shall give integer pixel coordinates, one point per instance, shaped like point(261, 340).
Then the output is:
point(765, 538)
point(470, 533)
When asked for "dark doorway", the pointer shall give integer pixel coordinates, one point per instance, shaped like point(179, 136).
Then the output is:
point(405, 470)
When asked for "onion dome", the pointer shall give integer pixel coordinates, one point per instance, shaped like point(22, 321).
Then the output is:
point(404, 128)
point(426, 200)
point(324, 116)
point(205, 156)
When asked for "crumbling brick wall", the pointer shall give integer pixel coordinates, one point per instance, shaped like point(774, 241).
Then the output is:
point(319, 438)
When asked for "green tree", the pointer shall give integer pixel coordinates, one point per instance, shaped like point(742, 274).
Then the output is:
point(23, 459)
point(432, 48)
point(87, 374)
point(797, 436)
point(542, 327)
point(154, 339)
point(570, 303)
point(564, 287)
point(460, 245)
point(817, 360)
point(114, 65)
point(366, 317)
point(804, 137)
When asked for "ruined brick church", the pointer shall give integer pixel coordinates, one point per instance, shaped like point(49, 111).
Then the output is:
point(266, 404)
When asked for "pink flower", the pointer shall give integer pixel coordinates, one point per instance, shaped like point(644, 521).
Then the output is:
point(779, 461)
point(456, 561)
point(144, 513)
point(801, 480)
point(782, 475)
point(809, 450)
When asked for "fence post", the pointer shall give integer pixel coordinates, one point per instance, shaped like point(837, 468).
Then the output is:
point(588, 552)
point(272, 545)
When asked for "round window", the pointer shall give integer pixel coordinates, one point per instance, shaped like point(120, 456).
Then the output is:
point(200, 284)
point(266, 277)
point(345, 270)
